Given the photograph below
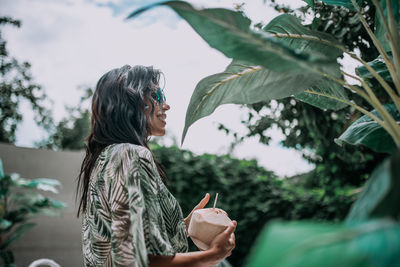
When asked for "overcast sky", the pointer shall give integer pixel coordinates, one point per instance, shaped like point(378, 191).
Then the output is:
point(71, 43)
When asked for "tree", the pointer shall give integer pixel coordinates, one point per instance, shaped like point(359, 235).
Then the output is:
point(17, 85)
point(71, 131)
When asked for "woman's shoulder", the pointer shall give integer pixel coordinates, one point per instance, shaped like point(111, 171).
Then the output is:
point(130, 158)
point(129, 151)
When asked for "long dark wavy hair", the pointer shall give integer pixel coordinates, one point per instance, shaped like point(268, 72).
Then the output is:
point(118, 116)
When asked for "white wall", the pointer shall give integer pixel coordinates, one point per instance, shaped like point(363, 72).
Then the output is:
point(57, 238)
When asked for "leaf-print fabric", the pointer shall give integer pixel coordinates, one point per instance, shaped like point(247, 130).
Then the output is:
point(130, 213)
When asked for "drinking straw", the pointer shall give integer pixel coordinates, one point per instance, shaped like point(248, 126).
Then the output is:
point(215, 201)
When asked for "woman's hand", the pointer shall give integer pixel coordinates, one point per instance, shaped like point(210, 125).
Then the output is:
point(224, 243)
point(221, 247)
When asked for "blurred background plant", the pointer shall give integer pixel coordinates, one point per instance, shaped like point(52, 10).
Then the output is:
point(19, 203)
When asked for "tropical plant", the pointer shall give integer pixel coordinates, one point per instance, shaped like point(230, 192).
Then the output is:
point(284, 59)
point(18, 204)
point(300, 123)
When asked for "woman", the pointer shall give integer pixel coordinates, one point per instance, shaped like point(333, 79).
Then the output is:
point(129, 218)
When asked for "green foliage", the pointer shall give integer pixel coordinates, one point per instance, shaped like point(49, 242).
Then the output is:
point(345, 3)
point(310, 3)
point(230, 32)
point(359, 242)
point(380, 197)
point(278, 50)
point(373, 243)
point(213, 90)
point(238, 40)
point(18, 204)
point(346, 27)
point(249, 193)
point(16, 85)
point(301, 123)
point(367, 132)
point(69, 136)
point(288, 29)
point(71, 131)
point(324, 95)
point(379, 66)
point(380, 27)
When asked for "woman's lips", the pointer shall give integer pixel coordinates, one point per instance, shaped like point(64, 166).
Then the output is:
point(162, 117)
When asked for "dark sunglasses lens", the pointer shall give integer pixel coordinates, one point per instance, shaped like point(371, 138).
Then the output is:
point(160, 96)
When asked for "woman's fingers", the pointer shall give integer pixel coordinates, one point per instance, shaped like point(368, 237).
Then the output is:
point(230, 229)
point(224, 243)
point(201, 205)
point(203, 202)
point(232, 239)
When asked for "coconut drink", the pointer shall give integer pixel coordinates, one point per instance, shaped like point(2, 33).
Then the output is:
point(206, 224)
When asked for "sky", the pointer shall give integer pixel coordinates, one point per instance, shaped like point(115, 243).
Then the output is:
point(71, 43)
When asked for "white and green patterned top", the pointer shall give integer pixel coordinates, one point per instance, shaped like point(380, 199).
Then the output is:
point(130, 213)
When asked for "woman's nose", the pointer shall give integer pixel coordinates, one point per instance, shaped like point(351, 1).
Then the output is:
point(165, 106)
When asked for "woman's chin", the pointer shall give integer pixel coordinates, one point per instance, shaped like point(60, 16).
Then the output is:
point(159, 133)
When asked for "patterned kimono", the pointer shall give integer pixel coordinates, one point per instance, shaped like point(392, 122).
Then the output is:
point(130, 213)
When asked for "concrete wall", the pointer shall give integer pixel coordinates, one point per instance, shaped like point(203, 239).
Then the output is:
point(57, 238)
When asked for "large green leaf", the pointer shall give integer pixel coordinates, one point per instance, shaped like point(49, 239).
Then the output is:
point(345, 3)
point(291, 32)
point(380, 31)
point(241, 83)
point(368, 244)
point(45, 184)
point(379, 66)
point(325, 94)
point(37, 201)
point(369, 133)
point(230, 32)
point(381, 197)
point(310, 3)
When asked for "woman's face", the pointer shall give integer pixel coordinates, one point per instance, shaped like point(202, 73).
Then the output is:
point(156, 122)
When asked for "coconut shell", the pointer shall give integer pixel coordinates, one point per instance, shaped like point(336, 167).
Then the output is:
point(205, 225)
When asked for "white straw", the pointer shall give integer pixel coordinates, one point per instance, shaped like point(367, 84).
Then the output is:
point(215, 201)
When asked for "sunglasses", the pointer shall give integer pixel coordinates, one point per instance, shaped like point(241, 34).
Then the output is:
point(159, 96)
